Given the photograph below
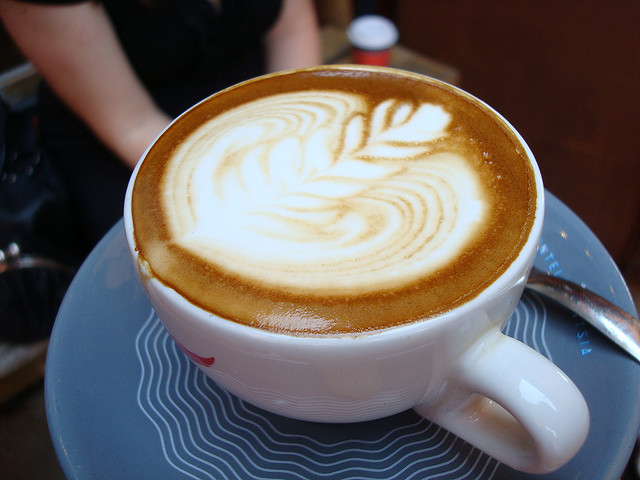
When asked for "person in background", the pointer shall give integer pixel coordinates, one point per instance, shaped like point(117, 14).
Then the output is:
point(116, 72)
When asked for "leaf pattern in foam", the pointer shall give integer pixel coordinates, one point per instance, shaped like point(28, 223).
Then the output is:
point(391, 130)
point(325, 187)
point(395, 130)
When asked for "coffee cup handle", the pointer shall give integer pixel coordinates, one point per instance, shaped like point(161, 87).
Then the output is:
point(511, 402)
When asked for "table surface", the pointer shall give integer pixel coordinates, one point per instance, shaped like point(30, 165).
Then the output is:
point(336, 49)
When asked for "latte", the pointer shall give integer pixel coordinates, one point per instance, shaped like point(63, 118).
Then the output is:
point(333, 200)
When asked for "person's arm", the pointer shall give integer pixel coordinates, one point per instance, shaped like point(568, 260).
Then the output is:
point(294, 40)
point(75, 48)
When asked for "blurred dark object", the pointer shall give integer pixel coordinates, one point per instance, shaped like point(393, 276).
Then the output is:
point(38, 249)
point(31, 291)
point(632, 470)
point(10, 56)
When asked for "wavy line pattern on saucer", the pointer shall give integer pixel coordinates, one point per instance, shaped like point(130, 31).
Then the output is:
point(207, 433)
point(528, 324)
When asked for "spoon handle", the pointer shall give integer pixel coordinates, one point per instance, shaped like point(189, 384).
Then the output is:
point(616, 324)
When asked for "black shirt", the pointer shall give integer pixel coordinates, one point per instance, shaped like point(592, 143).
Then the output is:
point(185, 50)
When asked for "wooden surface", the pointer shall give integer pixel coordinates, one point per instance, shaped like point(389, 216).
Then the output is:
point(21, 366)
point(334, 12)
point(336, 49)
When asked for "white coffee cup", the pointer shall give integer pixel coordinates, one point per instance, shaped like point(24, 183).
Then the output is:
point(458, 369)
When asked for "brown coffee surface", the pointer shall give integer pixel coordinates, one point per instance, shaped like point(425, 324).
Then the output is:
point(380, 229)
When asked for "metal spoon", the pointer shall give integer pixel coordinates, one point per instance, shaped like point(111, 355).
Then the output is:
point(616, 324)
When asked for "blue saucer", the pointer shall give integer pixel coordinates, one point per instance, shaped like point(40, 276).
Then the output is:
point(124, 403)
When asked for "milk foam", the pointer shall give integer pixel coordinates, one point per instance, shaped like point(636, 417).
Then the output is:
point(321, 191)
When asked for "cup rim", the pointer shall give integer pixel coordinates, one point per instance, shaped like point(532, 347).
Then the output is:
point(516, 272)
